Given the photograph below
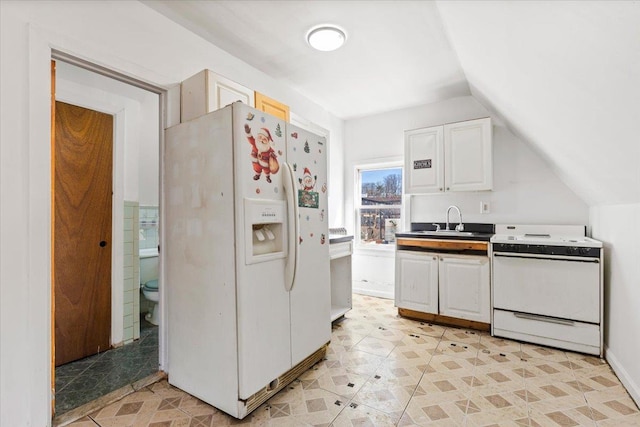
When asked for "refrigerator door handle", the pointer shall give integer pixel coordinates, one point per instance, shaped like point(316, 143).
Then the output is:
point(293, 226)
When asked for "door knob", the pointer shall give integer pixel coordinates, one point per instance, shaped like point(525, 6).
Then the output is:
point(103, 243)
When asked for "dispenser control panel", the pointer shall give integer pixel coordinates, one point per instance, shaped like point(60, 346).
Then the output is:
point(266, 213)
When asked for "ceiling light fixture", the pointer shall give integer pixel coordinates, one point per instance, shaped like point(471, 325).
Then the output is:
point(326, 37)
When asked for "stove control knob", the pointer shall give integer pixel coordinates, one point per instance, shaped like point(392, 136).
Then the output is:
point(584, 251)
point(572, 251)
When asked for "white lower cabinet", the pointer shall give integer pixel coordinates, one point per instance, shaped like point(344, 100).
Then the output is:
point(450, 285)
point(417, 281)
point(464, 287)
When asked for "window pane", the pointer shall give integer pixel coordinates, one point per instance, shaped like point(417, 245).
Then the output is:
point(381, 186)
point(378, 226)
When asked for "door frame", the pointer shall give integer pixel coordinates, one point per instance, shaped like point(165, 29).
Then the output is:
point(33, 252)
point(118, 188)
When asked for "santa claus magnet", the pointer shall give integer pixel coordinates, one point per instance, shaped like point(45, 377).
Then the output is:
point(307, 197)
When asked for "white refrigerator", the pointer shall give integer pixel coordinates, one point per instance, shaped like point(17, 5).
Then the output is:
point(246, 255)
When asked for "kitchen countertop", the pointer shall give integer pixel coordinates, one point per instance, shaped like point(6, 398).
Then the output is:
point(427, 230)
point(339, 238)
point(476, 236)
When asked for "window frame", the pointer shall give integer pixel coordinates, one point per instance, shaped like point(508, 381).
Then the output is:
point(392, 163)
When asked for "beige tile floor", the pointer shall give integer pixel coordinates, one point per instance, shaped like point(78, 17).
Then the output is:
point(384, 370)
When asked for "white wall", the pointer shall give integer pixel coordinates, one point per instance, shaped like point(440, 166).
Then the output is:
point(525, 189)
point(140, 147)
point(127, 37)
point(618, 226)
point(336, 174)
point(149, 156)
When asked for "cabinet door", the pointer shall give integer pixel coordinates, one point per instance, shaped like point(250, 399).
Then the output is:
point(271, 106)
point(207, 91)
point(468, 155)
point(423, 154)
point(417, 281)
point(464, 287)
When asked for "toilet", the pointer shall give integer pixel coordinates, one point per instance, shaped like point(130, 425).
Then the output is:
point(150, 292)
point(149, 268)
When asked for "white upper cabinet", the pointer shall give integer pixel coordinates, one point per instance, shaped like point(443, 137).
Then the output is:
point(468, 156)
point(452, 157)
point(207, 91)
point(423, 154)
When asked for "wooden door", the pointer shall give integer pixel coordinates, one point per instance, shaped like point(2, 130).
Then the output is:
point(82, 191)
point(271, 106)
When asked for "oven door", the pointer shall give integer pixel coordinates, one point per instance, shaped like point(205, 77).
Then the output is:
point(556, 286)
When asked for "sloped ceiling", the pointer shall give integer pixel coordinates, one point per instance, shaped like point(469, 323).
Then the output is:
point(396, 55)
point(564, 75)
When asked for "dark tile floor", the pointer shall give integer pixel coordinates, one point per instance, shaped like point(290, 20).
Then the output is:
point(87, 379)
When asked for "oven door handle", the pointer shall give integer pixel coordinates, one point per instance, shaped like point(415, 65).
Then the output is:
point(540, 318)
point(547, 257)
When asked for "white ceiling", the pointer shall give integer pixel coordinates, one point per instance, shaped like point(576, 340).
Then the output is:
point(564, 75)
point(396, 54)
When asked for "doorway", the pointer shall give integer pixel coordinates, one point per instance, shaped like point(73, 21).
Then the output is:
point(132, 346)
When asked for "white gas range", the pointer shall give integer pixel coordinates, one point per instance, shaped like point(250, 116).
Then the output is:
point(547, 286)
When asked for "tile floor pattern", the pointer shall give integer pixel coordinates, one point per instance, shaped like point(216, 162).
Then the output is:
point(87, 379)
point(384, 370)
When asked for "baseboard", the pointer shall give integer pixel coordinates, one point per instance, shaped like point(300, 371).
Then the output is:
point(373, 293)
point(623, 375)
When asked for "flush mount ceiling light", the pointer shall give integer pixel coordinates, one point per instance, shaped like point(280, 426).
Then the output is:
point(326, 37)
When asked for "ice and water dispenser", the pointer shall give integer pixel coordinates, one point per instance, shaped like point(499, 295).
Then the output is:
point(265, 230)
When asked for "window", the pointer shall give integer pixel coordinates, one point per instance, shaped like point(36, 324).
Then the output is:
point(378, 203)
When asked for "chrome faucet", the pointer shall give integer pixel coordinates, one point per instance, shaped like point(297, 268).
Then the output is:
point(459, 227)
